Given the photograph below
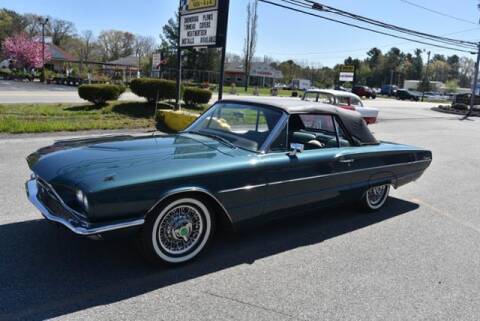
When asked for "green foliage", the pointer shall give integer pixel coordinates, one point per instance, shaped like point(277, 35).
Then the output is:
point(151, 89)
point(424, 85)
point(451, 86)
point(195, 96)
point(5, 73)
point(99, 94)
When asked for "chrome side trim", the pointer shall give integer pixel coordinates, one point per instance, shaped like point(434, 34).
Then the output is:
point(249, 187)
point(186, 190)
point(74, 224)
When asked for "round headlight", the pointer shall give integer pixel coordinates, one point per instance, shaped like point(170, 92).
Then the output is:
point(82, 199)
point(80, 196)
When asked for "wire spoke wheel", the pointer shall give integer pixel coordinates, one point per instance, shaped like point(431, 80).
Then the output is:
point(178, 231)
point(376, 196)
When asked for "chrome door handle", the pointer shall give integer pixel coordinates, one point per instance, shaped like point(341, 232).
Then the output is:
point(346, 160)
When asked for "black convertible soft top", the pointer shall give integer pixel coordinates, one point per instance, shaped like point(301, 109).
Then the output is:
point(352, 120)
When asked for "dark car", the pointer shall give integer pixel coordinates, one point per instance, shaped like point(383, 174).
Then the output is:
point(389, 90)
point(404, 94)
point(240, 161)
point(364, 91)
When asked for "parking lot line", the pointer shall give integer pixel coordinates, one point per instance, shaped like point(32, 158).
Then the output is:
point(445, 214)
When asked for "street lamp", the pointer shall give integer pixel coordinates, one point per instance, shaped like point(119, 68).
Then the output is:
point(43, 22)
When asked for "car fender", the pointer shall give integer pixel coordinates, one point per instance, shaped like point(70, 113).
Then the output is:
point(195, 190)
point(384, 177)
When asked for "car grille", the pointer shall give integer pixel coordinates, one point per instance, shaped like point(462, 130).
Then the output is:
point(49, 199)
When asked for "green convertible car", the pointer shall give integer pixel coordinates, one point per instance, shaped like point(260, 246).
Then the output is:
point(239, 161)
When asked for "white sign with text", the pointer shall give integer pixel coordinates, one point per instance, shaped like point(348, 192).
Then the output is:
point(346, 76)
point(199, 29)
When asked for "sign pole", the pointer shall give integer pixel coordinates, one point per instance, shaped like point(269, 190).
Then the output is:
point(224, 51)
point(474, 85)
point(179, 60)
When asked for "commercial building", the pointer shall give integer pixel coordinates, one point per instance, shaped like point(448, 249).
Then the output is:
point(262, 74)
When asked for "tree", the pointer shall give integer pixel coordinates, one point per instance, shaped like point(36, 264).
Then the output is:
point(11, 23)
point(60, 30)
point(87, 45)
point(466, 68)
point(26, 52)
point(250, 39)
point(424, 85)
point(451, 86)
point(115, 44)
point(417, 64)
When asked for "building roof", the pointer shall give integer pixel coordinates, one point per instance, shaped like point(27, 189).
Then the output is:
point(131, 61)
point(58, 53)
point(352, 120)
point(258, 69)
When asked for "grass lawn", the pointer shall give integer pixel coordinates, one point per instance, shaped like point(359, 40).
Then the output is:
point(36, 118)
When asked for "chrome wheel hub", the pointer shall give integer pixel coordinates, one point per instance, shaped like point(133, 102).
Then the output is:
point(376, 194)
point(180, 229)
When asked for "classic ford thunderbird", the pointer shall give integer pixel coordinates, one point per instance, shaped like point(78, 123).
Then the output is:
point(239, 161)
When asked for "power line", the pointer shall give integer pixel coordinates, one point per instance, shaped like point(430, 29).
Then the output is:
point(357, 50)
point(439, 12)
point(364, 28)
point(320, 7)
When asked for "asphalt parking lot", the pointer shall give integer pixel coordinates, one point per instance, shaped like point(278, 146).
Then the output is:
point(416, 259)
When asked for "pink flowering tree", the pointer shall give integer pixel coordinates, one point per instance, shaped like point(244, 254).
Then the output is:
point(25, 51)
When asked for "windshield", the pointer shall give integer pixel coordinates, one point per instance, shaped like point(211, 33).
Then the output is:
point(348, 101)
point(243, 125)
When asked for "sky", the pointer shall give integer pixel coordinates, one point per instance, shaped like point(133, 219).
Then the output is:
point(281, 34)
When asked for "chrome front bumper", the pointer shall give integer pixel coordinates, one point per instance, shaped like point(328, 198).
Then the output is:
point(73, 222)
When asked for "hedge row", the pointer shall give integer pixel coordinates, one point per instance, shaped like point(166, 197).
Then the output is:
point(158, 89)
point(154, 89)
point(100, 93)
point(195, 96)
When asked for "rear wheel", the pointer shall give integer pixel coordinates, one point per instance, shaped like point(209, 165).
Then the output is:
point(177, 232)
point(375, 197)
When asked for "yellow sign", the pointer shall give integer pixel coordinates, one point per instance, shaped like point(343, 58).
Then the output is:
point(201, 4)
point(347, 68)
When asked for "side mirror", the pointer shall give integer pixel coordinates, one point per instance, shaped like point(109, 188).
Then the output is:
point(295, 148)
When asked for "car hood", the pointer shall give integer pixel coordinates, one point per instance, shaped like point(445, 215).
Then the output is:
point(96, 162)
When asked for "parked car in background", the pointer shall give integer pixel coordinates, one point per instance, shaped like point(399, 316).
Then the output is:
point(241, 161)
point(437, 96)
point(405, 94)
point(389, 90)
point(342, 99)
point(364, 91)
point(300, 84)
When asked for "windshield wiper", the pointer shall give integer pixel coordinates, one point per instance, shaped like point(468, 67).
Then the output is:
point(216, 137)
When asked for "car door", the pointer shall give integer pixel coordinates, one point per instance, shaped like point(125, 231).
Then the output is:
point(311, 177)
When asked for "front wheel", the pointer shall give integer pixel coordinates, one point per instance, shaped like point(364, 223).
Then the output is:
point(177, 232)
point(375, 197)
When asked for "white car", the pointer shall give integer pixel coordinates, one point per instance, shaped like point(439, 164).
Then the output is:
point(342, 99)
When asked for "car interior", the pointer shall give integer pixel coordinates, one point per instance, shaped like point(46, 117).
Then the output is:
point(315, 131)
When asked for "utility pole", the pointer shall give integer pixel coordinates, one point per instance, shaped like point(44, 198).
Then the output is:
point(474, 84)
point(224, 52)
point(179, 62)
point(391, 82)
point(426, 74)
point(43, 22)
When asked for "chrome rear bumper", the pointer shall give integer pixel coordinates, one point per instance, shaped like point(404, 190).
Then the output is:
point(73, 222)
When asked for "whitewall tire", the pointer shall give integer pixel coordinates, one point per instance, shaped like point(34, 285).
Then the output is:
point(177, 231)
point(375, 197)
